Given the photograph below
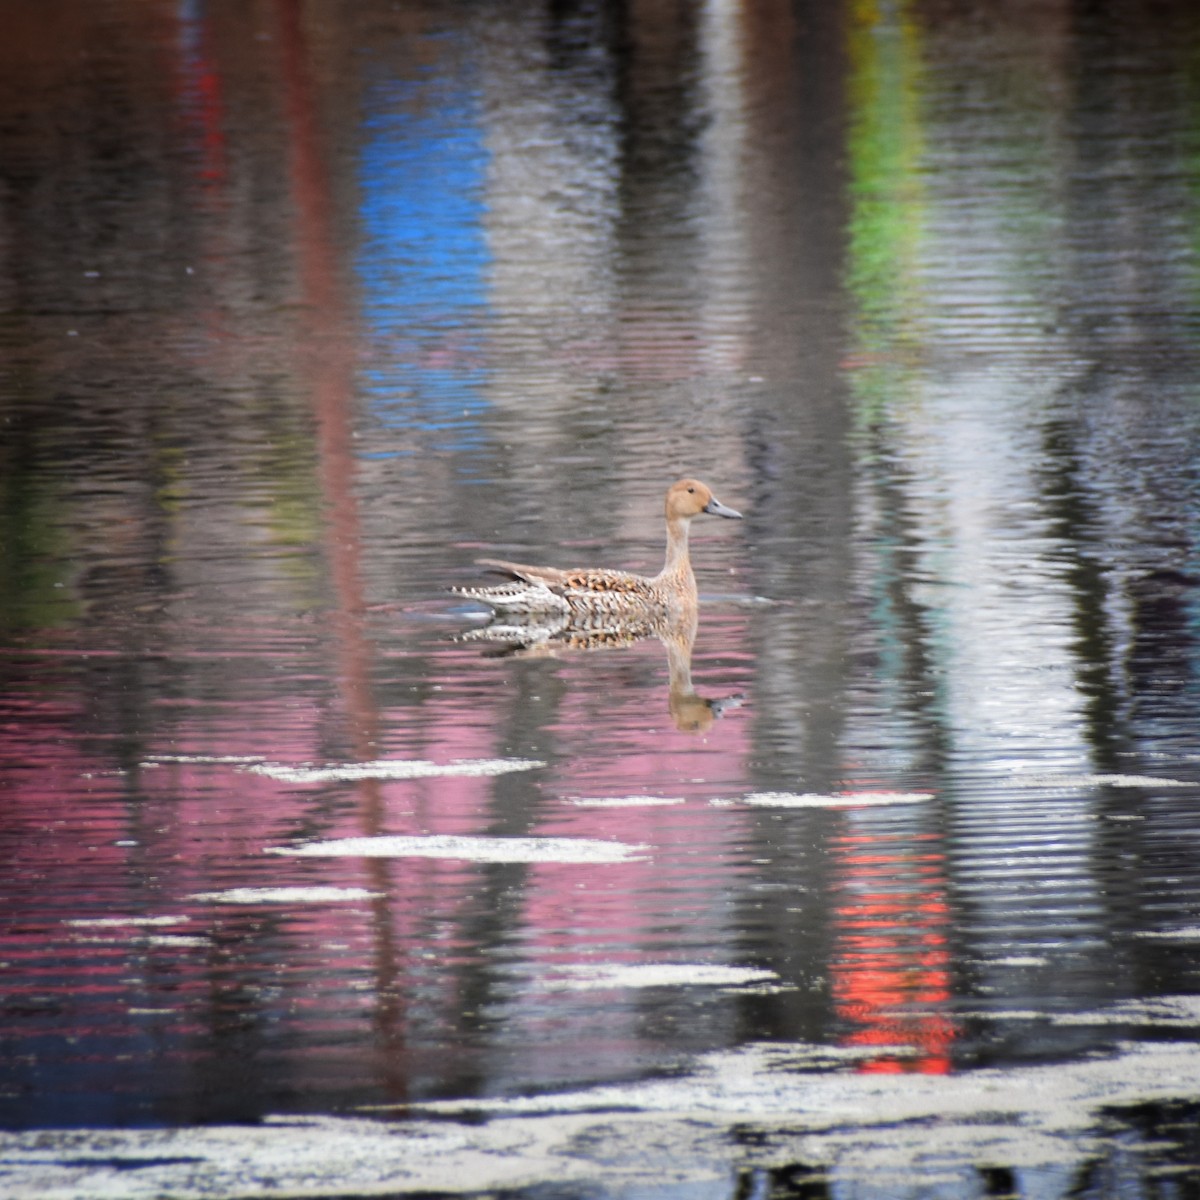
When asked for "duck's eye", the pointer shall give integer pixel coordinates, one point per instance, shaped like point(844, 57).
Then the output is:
point(691, 491)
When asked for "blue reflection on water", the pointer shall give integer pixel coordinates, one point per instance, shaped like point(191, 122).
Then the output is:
point(424, 258)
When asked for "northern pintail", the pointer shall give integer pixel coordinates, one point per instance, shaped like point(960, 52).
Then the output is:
point(598, 592)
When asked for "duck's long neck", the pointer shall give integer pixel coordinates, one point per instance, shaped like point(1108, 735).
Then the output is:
point(678, 565)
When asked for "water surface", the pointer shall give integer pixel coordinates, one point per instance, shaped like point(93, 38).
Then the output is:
point(305, 308)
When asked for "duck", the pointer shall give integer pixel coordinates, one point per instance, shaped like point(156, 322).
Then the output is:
point(592, 593)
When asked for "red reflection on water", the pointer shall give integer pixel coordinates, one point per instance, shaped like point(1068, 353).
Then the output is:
point(891, 963)
point(199, 98)
point(329, 347)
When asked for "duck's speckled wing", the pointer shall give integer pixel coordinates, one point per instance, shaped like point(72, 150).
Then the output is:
point(614, 585)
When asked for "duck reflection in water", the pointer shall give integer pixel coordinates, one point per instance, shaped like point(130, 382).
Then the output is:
point(544, 611)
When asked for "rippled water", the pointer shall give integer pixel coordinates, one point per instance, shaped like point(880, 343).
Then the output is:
point(303, 308)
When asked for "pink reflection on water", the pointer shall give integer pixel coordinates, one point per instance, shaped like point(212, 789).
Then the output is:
point(54, 787)
point(389, 981)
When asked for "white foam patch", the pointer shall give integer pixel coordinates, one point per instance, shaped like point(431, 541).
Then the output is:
point(1188, 933)
point(285, 895)
point(1086, 780)
point(625, 801)
point(869, 1133)
point(393, 768)
point(471, 849)
point(135, 937)
point(831, 799)
point(1176, 1011)
point(156, 760)
point(979, 1014)
point(760, 1080)
point(117, 922)
point(593, 976)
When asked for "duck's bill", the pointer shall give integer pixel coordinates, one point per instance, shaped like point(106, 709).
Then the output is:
point(718, 509)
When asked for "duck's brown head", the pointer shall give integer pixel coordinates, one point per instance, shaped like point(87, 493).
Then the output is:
point(689, 497)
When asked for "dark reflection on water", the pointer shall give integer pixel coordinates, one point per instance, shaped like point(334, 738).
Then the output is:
point(304, 308)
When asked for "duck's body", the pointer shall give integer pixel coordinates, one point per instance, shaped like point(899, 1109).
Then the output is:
point(591, 592)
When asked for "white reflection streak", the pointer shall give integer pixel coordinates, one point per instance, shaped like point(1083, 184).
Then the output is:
point(1009, 661)
point(551, 196)
point(723, 224)
point(992, 574)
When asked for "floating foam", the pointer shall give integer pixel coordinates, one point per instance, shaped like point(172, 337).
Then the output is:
point(625, 801)
point(1188, 933)
point(592, 976)
point(1178, 1011)
point(115, 922)
point(392, 768)
point(977, 1014)
point(1085, 780)
point(156, 760)
point(137, 938)
point(831, 799)
point(472, 849)
point(284, 895)
point(869, 1133)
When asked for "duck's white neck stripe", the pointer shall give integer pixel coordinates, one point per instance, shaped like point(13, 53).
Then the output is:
point(677, 546)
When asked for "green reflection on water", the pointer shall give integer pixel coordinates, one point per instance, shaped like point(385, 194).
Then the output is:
point(35, 547)
point(887, 199)
point(888, 214)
